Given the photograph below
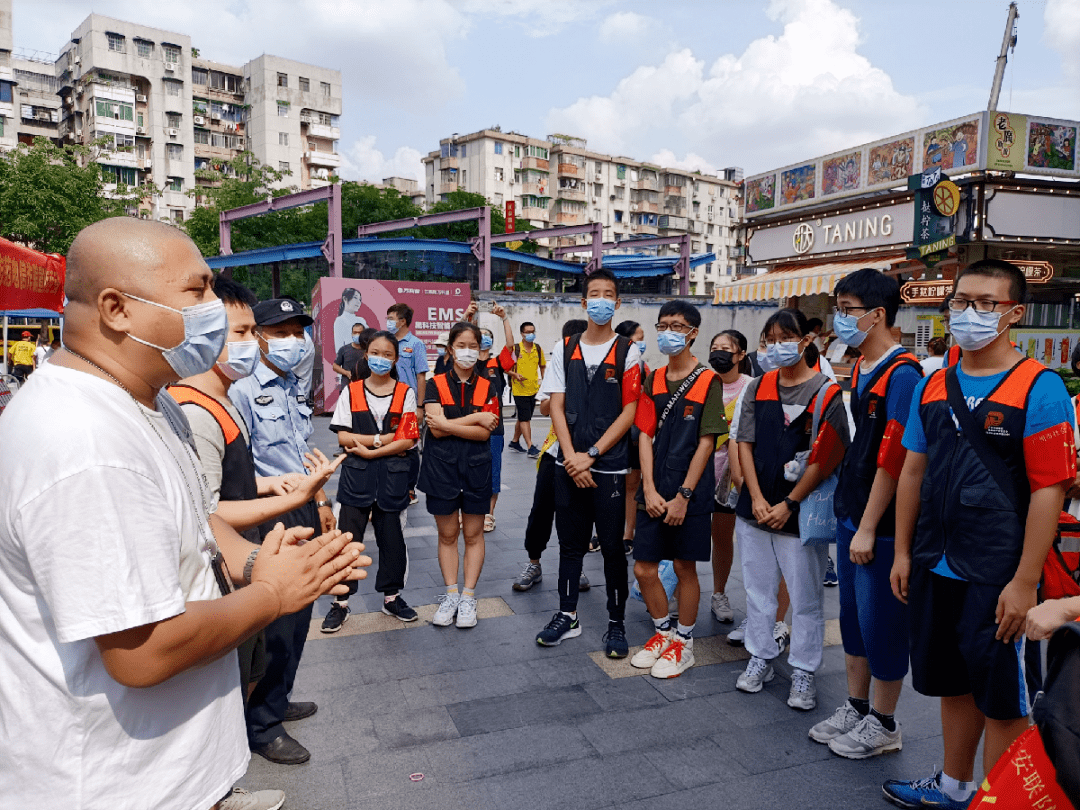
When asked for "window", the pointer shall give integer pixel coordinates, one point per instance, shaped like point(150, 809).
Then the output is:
point(114, 175)
point(620, 192)
point(597, 216)
point(174, 151)
point(517, 150)
point(283, 109)
point(499, 174)
point(283, 166)
point(117, 110)
point(305, 85)
point(125, 143)
point(173, 120)
point(177, 214)
point(5, 91)
point(462, 154)
point(537, 152)
point(176, 184)
point(173, 88)
point(200, 76)
point(117, 43)
point(618, 216)
point(144, 48)
point(139, 120)
point(529, 201)
point(283, 80)
point(620, 172)
point(328, 120)
point(172, 53)
point(499, 199)
point(498, 147)
point(283, 139)
point(202, 136)
point(325, 87)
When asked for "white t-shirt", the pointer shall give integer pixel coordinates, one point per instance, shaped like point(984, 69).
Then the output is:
point(931, 364)
point(41, 353)
point(555, 377)
point(210, 442)
point(378, 405)
point(98, 534)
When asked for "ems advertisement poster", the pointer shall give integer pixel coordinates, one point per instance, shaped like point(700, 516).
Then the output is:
point(339, 303)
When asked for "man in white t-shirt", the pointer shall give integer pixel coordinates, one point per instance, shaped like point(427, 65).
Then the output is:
point(118, 682)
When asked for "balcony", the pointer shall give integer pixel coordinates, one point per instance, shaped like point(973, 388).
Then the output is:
point(535, 163)
point(448, 188)
point(670, 223)
point(645, 207)
point(675, 190)
point(535, 189)
point(329, 159)
point(570, 170)
point(645, 184)
point(570, 218)
point(533, 213)
point(121, 158)
point(448, 163)
point(324, 131)
point(641, 227)
point(576, 194)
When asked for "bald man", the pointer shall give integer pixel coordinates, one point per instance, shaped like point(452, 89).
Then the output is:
point(118, 680)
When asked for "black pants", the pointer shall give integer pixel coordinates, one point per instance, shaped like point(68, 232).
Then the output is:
point(542, 516)
point(20, 372)
point(393, 556)
point(285, 639)
point(577, 510)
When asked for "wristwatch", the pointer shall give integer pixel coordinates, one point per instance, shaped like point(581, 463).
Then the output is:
point(329, 504)
point(249, 565)
point(792, 505)
point(593, 451)
point(686, 492)
point(377, 442)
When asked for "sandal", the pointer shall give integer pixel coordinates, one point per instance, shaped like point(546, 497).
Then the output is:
point(489, 523)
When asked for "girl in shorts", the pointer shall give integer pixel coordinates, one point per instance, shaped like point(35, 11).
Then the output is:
point(461, 412)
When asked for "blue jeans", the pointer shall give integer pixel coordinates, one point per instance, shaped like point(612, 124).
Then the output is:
point(496, 462)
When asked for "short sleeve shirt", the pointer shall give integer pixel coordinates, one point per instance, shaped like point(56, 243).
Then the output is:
point(379, 406)
point(412, 359)
point(278, 417)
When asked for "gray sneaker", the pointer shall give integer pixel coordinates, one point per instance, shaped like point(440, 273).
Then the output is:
point(758, 672)
point(240, 799)
point(803, 694)
point(868, 739)
point(737, 637)
point(840, 723)
point(448, 608)
point(530, 575)
point(466, 612)
point(721, 608)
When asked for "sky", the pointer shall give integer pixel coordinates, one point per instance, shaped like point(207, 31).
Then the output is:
point(696, 84)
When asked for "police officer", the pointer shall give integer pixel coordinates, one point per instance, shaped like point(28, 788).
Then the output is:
point(276, 410)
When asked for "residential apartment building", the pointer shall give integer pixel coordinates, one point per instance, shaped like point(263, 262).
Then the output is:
point(36, 103)
point(559, 181)
point(8, 130)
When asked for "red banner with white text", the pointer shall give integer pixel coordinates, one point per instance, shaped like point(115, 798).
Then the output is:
point(30, 280)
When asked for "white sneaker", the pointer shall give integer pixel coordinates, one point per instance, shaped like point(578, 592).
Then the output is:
point(677, 658)
point(240, 799)
point(737, 636)
point(758, 672)
point(782, 633)
point(466, 612)
point(654, 648)
point(721, 608)
point(842, 721)
point(868, 739)
point(448, 607)
point(803, 694)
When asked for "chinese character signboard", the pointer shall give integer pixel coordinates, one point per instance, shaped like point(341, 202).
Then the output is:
point(1005, 142)
point(926, 292)
point(30, 280)
point(936, 201)
point(511, 216)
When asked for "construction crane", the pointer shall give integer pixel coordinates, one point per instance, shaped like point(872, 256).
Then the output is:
point(1009, 42)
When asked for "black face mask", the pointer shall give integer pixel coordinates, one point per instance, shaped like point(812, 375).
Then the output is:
point(721, 361)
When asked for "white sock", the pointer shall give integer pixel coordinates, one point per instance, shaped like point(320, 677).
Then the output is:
point(662, 625)
point(686, 631)
point(572, 615)
point(955, 789)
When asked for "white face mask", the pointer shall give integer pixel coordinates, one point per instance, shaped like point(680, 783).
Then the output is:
point(466, 358)
point(206, 326)
point(242, 359)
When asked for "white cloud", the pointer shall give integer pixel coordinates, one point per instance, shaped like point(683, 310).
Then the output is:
point(801, 93)
point(1062, 32)
point(690, 163)
point(626, 27)
point(362, 161)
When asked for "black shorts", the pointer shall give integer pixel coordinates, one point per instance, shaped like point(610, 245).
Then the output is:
point(953, 649)
point(720, 509)
point(525, 408)
point(466, 504)
point(252, 657)
point(655, 540)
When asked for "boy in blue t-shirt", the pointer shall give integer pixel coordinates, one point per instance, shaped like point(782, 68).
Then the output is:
point(971, 539)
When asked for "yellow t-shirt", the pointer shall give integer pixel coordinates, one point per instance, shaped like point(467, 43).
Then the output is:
point(528, 366)
point(22, 353)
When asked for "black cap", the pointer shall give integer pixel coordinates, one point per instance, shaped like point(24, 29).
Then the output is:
point(279, 310)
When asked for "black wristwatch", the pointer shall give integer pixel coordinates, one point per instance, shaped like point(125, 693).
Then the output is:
point(593, 451)
point(792, 505)
point(686, 492)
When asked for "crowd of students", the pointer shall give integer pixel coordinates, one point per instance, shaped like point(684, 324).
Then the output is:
point(942, 494)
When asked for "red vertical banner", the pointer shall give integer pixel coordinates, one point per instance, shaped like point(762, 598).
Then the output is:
point(511, 216)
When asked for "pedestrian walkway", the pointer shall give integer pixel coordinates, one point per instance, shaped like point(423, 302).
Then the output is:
point(424, 718)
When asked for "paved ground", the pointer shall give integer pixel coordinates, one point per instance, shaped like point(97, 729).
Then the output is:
point(493, 721)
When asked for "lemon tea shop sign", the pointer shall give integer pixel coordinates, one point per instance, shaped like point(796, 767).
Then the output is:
point(873, 227)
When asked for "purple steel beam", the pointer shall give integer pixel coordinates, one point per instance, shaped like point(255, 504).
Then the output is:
point(595, 228)
point(425, 219)
point(682, 266)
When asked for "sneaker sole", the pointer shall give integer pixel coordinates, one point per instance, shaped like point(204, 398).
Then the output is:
point(888, 749)
point(517, 586)
point(447, 623)
point(572, 633)
point(669, 677)
point(831, 584)
point(617, 655)
point(799, 707)
point(759, 687)
point(735, 642)
point(822, 739)
point(465, 626)
point(412, 618)
point(726, 620)
point(900, 802)
point(329, 630)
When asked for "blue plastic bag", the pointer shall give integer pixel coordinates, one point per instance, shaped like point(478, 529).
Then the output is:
point(668, 579)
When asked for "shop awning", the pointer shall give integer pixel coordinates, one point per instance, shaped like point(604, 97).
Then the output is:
point(787, 280)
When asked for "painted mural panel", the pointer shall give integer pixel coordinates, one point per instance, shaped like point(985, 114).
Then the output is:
point(841, 173)
point(798, 184)
point(761, 193)
point(1051, 146)
point(952, 147)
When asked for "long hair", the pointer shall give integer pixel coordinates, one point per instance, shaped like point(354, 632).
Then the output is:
point(348, 294)
point(745, 366)
point(794, 322)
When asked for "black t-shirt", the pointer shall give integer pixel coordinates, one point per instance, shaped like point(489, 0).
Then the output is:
point(347, 356)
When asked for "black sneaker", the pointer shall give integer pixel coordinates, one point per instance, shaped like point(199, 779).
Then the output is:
point(560, 627)
point(830, 575)
point(594, 545)
point(516, 446)
point(338, 615)
point(583, 583)
point(615, 641)
point(399, 610)
point(628, 545)
point(534, 452)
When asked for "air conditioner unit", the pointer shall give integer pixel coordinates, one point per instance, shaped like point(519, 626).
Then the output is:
point(633, 206)
point(199, 120)
point(173, 132)
point(170, 67)
point(76, 60)
point(140, 98)
point(140, 130)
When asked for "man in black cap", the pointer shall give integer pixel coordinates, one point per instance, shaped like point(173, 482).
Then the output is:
point(279, 421)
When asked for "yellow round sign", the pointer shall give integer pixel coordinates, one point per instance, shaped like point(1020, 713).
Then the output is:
point(946, 197)
point(514, 245)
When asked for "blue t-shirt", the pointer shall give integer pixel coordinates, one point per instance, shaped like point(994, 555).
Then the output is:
point(412, 359)
point(1048, 405)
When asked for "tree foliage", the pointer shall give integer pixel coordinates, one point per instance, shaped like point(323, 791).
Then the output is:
point(49, 193)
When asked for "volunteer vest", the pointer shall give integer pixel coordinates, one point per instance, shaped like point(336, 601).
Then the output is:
point(593, 405)
point(452, 464)
point(952, 356)
point(776, 444)
point(493, 371)
point(237, 464)
point(965, 514)
point(860, 464)
point(385, 480)
point(676, 441)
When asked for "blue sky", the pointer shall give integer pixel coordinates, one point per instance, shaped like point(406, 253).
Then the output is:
point(698, 83)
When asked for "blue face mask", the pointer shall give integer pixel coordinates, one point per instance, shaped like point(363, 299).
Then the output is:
point(284, 353)
point(243, 357)
point(642, 345)
point(670, 342)
point(440, 350)
point(976, 330)
point(379, 365)
point(205, 328)
point(847, 329)
point(391, 326)
point(764, 361)
point(530, 337)
point(600, 310)
point(782, 355)
point(485, 342)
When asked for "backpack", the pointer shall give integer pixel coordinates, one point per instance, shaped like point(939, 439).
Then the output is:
point(1057, 709)
point(1061, 571)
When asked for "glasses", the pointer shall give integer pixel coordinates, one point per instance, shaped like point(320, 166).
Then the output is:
point(681, 328)
point(849, 310)
point(980, 304)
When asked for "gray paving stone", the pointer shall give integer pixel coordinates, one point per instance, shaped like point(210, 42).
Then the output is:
point(625, 694)
point(408, 727)
point(455, 687)
point(534, 707)
point(700, 681)
point(385, 772)
point(701, 762)
point(312, 786)
point(770, 747)
point(507, 751)
point(654, 726)
point(747, 711)
point(434, 796)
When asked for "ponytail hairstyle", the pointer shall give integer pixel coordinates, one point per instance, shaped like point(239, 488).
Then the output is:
point(627, 329)
point(745, 366)
point(459, 329)
point(794, 322)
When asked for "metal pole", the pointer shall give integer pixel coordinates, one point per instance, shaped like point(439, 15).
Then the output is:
point(1002, 60)
point(684, 265)
point(225, 235)
point(483, 248)
point(275, 280)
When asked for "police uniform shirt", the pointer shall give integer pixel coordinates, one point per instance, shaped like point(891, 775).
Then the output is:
point(278, 416)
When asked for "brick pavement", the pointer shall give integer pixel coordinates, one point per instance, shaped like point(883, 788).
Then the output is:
point(492, 720)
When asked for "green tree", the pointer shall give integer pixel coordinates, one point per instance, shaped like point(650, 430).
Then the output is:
point(464, 231)
point(49, 193)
